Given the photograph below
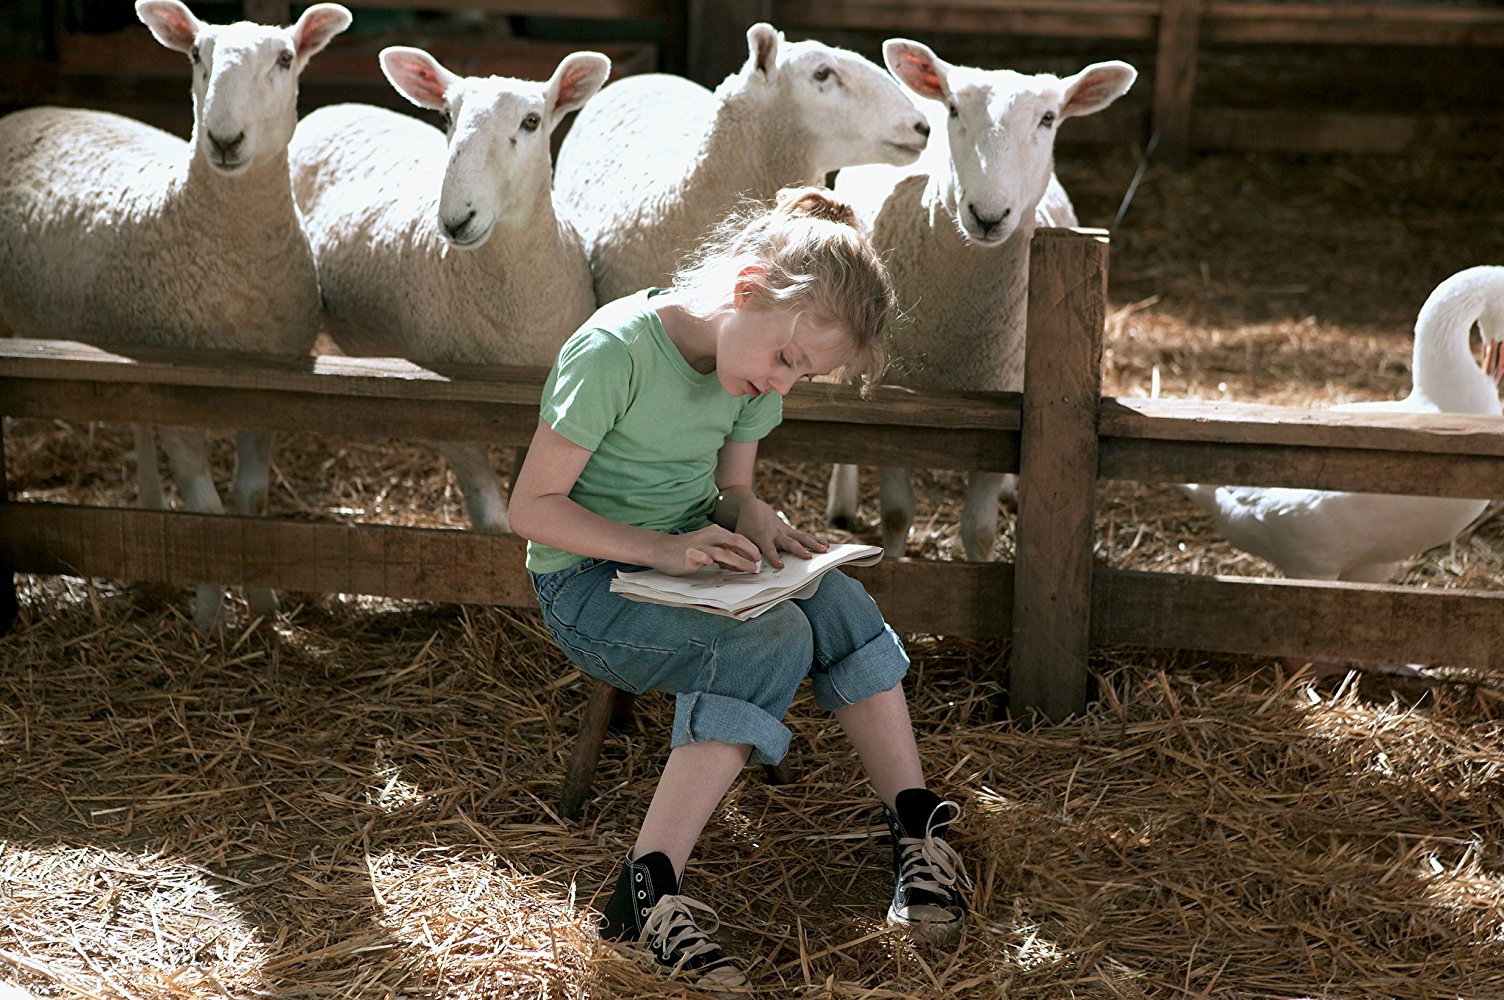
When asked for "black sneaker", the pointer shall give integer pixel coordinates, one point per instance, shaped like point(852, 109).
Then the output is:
point(927, 873)
point(647, 909)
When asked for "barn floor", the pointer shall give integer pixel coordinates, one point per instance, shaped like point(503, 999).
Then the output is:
point(357, 799)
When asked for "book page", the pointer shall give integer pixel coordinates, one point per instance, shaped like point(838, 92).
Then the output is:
point(724, 588)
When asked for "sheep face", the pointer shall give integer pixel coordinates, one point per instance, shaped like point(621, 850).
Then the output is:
point(848, 108)
point(245, 77)
point(1000, 131)
point(499, 167)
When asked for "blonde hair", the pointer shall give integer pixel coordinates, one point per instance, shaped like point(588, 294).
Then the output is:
point(808, 253)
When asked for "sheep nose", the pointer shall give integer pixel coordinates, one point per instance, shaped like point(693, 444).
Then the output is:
point(985, 224)
point(923, 128)
point(455, 228)
point(226, 147)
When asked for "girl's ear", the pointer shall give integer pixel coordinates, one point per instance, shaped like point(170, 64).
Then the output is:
point(748, 284)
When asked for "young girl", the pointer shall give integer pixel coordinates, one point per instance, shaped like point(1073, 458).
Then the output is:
point(644, 457)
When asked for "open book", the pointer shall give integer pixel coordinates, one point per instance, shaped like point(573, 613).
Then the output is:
point(741, 595)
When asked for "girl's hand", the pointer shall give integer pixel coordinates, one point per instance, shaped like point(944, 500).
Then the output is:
point(712, 545)
point(772, 534)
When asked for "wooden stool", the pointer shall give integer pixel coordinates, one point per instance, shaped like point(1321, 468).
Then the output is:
point(611, 707)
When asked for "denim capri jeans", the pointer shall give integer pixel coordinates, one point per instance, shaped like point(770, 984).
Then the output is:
point(732, 680)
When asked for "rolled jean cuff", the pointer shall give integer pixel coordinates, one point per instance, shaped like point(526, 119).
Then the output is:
point(869, 670)
point(702, 717)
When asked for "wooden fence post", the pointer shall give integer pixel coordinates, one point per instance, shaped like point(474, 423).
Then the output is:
point(1057, 472)
point(10, 607)
point(1175, 77)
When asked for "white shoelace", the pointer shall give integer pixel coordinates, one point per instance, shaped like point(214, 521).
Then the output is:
point(671, 929)
point(929, 862)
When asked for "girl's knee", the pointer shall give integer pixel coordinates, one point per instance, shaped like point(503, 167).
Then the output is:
point(784, 632)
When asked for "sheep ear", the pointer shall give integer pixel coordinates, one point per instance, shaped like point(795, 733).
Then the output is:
point(1095, 87)
point(417, 76)
point(170, 22)
point(576, 81)
point(318, 24)
point(762, 48)
point(915, 65)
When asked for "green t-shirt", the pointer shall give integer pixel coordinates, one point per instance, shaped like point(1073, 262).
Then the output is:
point(655, 426)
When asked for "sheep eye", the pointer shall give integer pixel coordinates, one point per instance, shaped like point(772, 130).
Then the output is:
point(955, 112)
point(1047, 120)
point(285, 60)
point(193, 53)
point(822, 74)
point(531, 122)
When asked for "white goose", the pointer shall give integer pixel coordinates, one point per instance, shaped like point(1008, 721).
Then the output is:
point(1366, 537)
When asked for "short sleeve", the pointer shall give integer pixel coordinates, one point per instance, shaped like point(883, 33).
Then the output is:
point(757, 418)
point(588, 389)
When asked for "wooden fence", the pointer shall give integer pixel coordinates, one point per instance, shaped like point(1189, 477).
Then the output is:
point(1061, 436)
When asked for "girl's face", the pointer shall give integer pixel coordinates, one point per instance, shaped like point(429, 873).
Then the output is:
point(764, 349)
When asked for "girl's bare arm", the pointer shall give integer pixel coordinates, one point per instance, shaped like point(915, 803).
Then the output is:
point(740, 509)
point(542, 511)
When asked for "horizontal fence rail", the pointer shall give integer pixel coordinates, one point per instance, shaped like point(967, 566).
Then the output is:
point(1061, 436)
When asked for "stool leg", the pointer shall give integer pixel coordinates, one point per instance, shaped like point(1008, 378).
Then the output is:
point(587, 749)
point(621, 710)
point(780, 773)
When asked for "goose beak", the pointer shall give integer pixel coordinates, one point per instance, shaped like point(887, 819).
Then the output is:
point(1493, 360)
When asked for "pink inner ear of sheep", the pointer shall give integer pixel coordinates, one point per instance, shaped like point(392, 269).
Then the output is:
point(1096, 89)
point(570, 84)
point(418, 77)
point(917, 71)
point(173, 24)
point(316, 27)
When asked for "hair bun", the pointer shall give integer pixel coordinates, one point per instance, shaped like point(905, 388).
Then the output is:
point(817, 203)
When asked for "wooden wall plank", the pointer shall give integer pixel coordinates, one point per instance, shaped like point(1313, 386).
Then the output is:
point(1363, 471)
point(444, 565)
point(1121, 19)
point(1273, 130)
point(418, 563)
point(894, 444)
point(269, 11)
point(1237, 22)
point(63, 361)
point(1254, 423)
point(1369, 622)
point(1057, 472)
point(942, 598)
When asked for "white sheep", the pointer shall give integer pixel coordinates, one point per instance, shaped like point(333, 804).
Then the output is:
point(955, 231)
point(448, 249)
point(656, 160)
point(113, 231)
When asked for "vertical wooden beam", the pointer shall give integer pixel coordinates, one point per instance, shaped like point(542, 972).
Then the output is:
point(10, 606)
point(269, 11)
point(1175, 76)
point(1057, 472)
point(716, 36)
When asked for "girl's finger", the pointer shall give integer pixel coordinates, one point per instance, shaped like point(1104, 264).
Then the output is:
point(807, 540)
point(733, 558)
